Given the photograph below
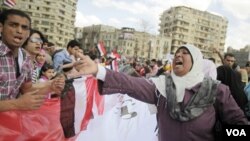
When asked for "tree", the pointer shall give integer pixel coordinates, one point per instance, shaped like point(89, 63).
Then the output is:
point(146, 26)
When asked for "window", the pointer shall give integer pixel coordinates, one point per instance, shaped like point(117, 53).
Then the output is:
point(45, 23)
point(62, 12)
point(45, 16)
point(36, 22)
point(37, 14)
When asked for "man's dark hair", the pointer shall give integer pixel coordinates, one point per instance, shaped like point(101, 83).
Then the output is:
point(91, 55)
point(4, 15)
point(50, 44)
point(45, 40)
point(73, 43)
point(68, 68)
point(153, 60)
point(159, 63)
point(147, 62)
point(228, 54)
point(248, 64)
point(212, 59)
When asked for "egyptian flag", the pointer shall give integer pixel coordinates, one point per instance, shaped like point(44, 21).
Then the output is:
point(79, 105)
point(101, 48)
point(116, 57)
point(10, 3)
point(115, 54)
point(124, 119)
point(74, 111)
point(87, 101)
point(114, 65)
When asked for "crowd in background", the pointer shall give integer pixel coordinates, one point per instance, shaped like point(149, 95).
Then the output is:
point(35, 64)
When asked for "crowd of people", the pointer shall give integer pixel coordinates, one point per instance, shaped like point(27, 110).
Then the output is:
point(188, 91)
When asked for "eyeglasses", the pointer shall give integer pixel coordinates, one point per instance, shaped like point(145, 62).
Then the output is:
point(36, 40)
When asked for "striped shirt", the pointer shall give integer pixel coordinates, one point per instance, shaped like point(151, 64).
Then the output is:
point(35, 72)
point(9, 83)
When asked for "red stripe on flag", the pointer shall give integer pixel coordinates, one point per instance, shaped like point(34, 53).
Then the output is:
point(101, 48)
point(88, 112)
point(114, 65)
point(115, 55)
point(99, 100)
point(10, 3)
point(92, 92)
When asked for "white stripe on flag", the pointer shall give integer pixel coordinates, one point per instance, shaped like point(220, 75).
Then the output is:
point(101, 48)
point(9, 3)
point(112, 127)
point(80, 102)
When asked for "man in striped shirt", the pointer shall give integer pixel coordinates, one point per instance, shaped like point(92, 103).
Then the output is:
point(15, 66)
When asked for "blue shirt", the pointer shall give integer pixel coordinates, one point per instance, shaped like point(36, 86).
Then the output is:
point(60, 57)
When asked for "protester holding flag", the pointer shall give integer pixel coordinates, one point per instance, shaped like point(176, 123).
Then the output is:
point(183, 99)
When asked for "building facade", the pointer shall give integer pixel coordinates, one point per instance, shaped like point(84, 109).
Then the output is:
point(160, 46)
point(127, 41)
point(191, 26)
point(91, 35)
point(55, 19)
point(242, 55)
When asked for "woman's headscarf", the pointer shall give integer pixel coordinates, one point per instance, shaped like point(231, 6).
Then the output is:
point(193, 77)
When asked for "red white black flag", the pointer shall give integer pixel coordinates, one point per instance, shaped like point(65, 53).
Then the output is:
point(10, 3)
point(101, 48)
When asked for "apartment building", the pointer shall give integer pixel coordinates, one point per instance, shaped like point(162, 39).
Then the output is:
point(78, 33)
point(55, 19)
point(160, 46)
point(148, 46)
point(89, 36)
point(127, 41)
point(201, 28)
point(242, 55)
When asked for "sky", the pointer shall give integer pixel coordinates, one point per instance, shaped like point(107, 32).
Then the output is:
point(133, 13)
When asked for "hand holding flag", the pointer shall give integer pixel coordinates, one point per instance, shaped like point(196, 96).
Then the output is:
point(86, 66)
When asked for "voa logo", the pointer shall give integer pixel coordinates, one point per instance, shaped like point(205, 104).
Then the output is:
point(236, 132)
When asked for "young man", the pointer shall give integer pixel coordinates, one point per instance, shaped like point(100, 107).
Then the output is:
point(64, 55)
point(15, 66)
point(229, 60)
